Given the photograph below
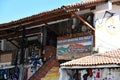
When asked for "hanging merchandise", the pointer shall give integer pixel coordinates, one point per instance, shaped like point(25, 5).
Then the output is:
point(90, 76)
point(9, 74)
point(98, 74)
point(35, 61)
point(16, 73)
point(1, 75)
point(6, 74)
point(90, 72)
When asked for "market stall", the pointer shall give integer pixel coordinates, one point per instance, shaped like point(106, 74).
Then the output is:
point(100, 66)
point(9, 73)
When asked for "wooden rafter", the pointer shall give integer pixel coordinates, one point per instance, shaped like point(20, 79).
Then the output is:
point(56, 16)
point(48, 16)
point(82, 5)
point(81, 19)
point(73, 12)
point(52, 29)
point(13, 43)
point(16, 35)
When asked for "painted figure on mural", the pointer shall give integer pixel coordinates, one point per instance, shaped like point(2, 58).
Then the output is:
point(111, 25)
point(109, 22)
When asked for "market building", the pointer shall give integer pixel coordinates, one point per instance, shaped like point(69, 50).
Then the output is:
point(100, 66)
point(35, 46)
point(104, 63)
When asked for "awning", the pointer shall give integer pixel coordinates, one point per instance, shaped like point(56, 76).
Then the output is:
point(44, 18)
point(99, 60)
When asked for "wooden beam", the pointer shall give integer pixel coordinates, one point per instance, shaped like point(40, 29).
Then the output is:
point(30, 19)
point(5, 36)
point(13, 43)
point(50, 18)
point(52, 29)
point(17, 34)
point(81, 19)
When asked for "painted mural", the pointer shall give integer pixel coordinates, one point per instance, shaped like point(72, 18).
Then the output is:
point(107, 31)
point(109, 23)
point(75, 45)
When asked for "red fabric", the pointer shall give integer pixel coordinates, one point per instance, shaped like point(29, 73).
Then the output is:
point(98, 74)
point(90, 72)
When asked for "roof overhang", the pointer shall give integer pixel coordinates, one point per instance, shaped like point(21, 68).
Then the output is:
point(52, 15)
point(47, 17)
point(99, 60)
point(86, 67)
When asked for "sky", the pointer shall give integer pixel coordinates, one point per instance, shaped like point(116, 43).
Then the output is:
point(11, 10)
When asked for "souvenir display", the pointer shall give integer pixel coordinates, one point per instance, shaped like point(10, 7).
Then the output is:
point(9, 74)
point(100, 74)
point(35, 60)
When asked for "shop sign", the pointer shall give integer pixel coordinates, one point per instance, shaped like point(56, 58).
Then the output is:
point(77, 45)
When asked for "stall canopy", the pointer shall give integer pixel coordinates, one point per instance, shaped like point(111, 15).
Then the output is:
point(99, 60)
point(13, 29)
point(31, 23)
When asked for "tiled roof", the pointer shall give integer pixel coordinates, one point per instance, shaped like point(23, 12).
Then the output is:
point(53, 13)
point(110, 57)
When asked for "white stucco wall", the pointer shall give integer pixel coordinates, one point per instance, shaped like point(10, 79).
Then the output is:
point(107, 29)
